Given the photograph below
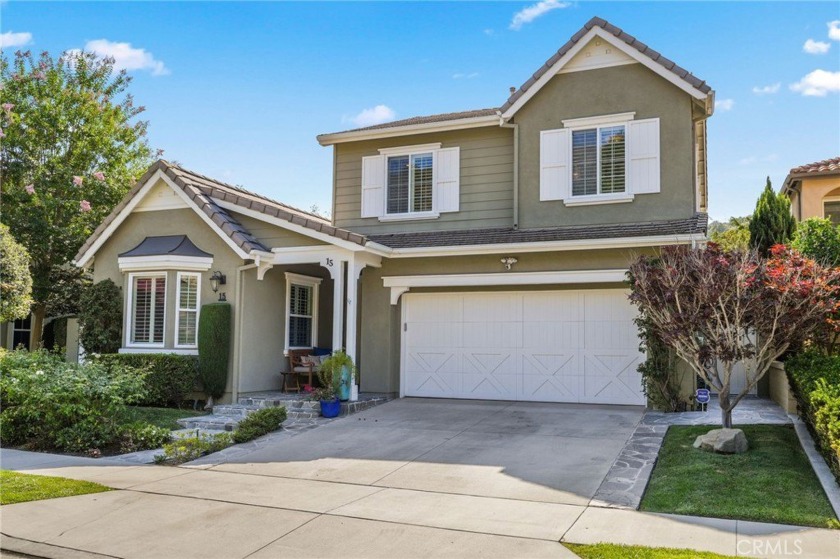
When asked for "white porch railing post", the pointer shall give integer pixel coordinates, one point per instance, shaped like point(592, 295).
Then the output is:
point(337, 273)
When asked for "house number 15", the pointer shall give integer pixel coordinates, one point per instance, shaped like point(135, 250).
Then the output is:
point(330, 262)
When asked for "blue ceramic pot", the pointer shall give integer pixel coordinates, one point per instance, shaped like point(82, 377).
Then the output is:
point(331, 408)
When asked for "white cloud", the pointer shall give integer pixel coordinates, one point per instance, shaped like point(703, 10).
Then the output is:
point(834, 30)
point(815, 47)
point(489, 32)
point(126, 57)
point(753, 159)
point(532, 12)
point(818, 83)
point(12, 39)
point(373, 115)
point(767, 89)
point(463, 76)
point(725, 104)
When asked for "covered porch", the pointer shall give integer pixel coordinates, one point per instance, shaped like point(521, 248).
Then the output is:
point(293, 299)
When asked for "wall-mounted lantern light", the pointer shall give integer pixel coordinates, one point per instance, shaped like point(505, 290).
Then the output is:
point(216, 280)
point(508, 262)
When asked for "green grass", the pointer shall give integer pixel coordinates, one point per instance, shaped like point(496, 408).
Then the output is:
point(612, 551)
point(162, 417)
point(772, 482)
point(20, 488)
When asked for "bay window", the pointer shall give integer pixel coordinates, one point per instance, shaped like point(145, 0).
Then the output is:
point(186, 312)
point(148, 309)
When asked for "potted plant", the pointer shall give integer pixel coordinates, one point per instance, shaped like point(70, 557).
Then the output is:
point(327, 393)
point(340, 369)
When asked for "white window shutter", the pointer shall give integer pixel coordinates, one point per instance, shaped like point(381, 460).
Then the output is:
point(373, 186)
point(643, 156)
point(554, 164)
point(447, 189)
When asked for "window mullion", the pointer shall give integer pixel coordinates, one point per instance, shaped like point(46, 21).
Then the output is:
point(598, 160)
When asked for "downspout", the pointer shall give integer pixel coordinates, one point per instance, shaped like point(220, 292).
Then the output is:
point(515, 127)
point(238, 320)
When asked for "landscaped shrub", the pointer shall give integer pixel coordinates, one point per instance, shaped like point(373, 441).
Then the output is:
point(100, 318)
point(191, 448)
point(169, 378)
point(815, 380)
point(143, 436)
point(259, 423)
point(49, 404)
point(214, 347)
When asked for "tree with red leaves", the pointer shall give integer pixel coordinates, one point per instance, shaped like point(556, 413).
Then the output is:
point(717, 308)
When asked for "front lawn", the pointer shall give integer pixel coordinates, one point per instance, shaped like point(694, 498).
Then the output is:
point(613, 551)
point(162, 417)
point(772, 482)
point(20, 488)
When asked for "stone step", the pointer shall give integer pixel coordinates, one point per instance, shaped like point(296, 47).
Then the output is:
point(211, 422)
point(189, 433)
point(235, 410)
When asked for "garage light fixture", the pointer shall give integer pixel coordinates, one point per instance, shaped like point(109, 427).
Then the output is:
point(509, 261)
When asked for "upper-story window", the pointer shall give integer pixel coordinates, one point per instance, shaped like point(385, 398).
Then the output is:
point(598, 160)
point(410, 182)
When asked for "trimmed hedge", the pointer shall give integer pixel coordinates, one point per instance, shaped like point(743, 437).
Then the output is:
point(169, 378)
point(214, 347)
point(815, 380)
point(259, 423)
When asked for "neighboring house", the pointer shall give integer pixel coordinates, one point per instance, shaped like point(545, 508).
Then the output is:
point(58, 332)
point(814, 190)
point(471, 255)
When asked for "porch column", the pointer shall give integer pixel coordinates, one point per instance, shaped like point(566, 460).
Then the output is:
point(354, 270)
point(337, 273)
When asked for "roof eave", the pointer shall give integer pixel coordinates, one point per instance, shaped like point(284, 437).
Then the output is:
point(407, 130)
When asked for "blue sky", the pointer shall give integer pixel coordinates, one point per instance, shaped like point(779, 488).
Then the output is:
point(239, 91)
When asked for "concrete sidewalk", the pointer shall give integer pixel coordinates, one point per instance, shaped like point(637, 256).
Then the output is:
point(209, 513)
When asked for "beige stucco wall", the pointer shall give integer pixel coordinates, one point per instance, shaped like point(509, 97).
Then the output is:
point(629, 88)
point(813, 191)
point(379, 351)
point(486, 181)
point(779, 387)
point(263, 324)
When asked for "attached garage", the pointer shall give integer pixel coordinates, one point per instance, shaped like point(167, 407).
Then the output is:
point(545, 346)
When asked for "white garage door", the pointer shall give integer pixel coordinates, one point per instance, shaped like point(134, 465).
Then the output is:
point(546, 346)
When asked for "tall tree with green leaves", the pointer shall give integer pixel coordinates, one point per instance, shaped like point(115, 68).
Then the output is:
point(71, 147)
point(772, 222)
point(15, 281)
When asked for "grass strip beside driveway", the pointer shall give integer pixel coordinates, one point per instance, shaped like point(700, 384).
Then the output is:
point(20, 488)
point(161, 417)
point(772, 482)
point(614, 551)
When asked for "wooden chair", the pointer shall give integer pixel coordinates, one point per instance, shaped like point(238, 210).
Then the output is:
point(298, 367)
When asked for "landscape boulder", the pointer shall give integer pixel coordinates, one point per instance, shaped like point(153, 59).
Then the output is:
point(722, 441)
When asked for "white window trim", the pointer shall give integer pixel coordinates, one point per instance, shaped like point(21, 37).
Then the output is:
point(164, 262)
point(309, 281)
point(165, 351)
point(408, 150)
point(598, 122)
point(178, 308)
point(410, 216)
point(129, 315)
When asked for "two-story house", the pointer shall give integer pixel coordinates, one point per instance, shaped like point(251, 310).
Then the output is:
point(479, 254)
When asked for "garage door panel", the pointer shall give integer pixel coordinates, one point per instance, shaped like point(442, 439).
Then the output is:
point(551, 377)
point(490, 374)
point(558, 346)
point(611, 377)
point(549, 306)
point(433, 372)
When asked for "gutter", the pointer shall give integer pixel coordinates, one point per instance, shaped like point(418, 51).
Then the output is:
point(515, 127)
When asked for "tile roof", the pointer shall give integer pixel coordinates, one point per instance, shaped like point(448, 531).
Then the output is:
point(471, 237)
point(429, 119)
point(824, 166)
point(205, 192)
point(669, 65)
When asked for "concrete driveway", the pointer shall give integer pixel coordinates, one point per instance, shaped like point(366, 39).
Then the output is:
point(554, 453)
point(411, 478)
